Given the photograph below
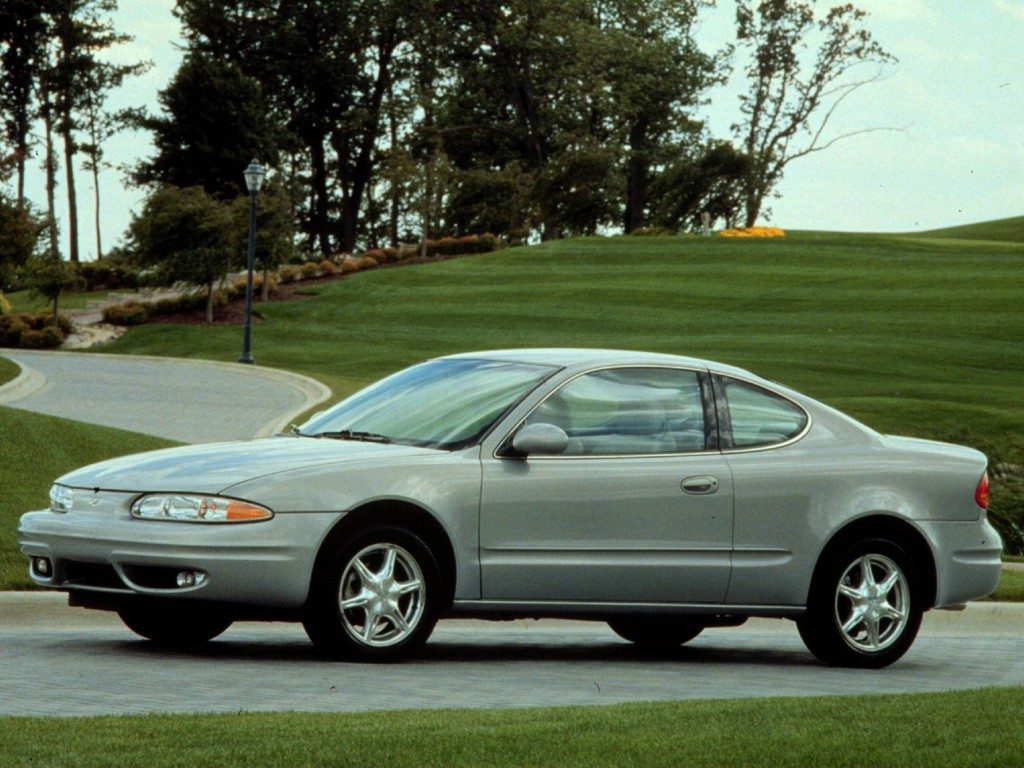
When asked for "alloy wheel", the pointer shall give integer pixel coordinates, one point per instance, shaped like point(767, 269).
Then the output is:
point(382, 595)
point(872, 603)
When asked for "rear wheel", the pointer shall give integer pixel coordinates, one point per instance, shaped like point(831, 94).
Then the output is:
point(173, 626)
point(656, 632)
point(374, 599)
point(865, 607)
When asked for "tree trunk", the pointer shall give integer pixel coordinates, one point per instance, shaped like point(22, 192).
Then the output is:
point(96, 196)
point(22, 152)
point(319, 212)
point(209, 302)
point(56, 309)
point(69, 173)
point(394, 194)
point(265, 288)
point(637, 169)
point(50, 168)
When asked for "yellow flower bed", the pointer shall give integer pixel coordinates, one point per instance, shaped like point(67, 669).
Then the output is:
point(754, 232)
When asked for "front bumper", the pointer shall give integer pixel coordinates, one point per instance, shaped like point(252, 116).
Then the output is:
point(968, 562)
point(267, 564)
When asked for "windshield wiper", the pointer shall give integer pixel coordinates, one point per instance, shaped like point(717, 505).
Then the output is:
point(351, 434)
point(296, 431)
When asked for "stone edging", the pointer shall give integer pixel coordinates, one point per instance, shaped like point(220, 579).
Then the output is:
point(312, 391)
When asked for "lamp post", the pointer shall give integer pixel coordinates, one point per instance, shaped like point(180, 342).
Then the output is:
point(254, 176)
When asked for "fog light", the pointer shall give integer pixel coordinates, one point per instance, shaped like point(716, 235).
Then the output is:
point(42, 567)
point(187, 579)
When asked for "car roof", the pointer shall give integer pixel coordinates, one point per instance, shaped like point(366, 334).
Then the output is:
point(566, 357)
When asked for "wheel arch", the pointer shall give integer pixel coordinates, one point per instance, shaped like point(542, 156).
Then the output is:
point(403, 514)
point(888, 526)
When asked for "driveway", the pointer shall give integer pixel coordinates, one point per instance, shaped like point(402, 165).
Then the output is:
point(90, 664)
point(191, 401)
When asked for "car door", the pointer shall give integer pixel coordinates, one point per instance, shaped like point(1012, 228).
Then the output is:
point(638, 508)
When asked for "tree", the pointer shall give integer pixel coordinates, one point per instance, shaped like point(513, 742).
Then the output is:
point(275, 228)
point(794, 93)
point(188, 235)
point(80, 29)
point(690, 185)
point(47, 277)
point(215, 120)
point(22, 54)
point(21, 233)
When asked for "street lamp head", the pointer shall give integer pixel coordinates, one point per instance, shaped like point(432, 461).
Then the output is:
point(254, 176)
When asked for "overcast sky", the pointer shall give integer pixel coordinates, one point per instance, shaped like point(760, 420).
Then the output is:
point(956, 95)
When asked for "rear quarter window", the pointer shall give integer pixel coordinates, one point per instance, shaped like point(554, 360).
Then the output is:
point(758, 417)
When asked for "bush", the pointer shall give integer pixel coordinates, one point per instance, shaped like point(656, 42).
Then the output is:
point(47, 338)
point(367, 262)
point(289, 274)
point(328, 267)
point(310, 270)
point(5, 305)
point(383, 255)
point(129, 313)
point(11, 329)
point(349, 265)
point(104, 274)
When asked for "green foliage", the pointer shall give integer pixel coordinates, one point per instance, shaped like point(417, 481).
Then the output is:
point(939, 730)
point(275, 225)
point(187, 235)
point(690, 185)
point(47, 277)
point(215, 120)
point(21, 233)
point(107, 274)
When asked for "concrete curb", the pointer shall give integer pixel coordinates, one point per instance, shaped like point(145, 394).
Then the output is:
point(313, 392)
point(26, 383)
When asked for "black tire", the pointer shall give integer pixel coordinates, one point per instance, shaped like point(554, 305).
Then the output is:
point(656, 632)
point(888, 623)
point(371, 632)
point(174, 626)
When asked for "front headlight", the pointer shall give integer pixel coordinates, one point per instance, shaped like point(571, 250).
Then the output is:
point(62, 499)
point(197, 509)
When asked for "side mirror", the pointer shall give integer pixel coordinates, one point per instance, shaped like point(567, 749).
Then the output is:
point(540, 439)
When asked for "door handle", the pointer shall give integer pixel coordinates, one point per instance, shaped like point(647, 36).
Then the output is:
point(700, 484)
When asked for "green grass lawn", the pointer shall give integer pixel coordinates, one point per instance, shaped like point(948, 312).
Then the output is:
point(36, 449)
point(24, 301)
point(976, 728)
point(1007, 230)
point(911, 335)
point(1011, 587)
point(8, 370)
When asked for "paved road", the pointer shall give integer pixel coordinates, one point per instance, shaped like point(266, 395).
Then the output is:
point(73, 662)
point(191, 401)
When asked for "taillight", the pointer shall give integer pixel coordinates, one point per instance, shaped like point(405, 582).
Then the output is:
point(981, 492)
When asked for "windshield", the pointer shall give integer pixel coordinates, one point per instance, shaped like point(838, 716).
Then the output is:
point(449, 403)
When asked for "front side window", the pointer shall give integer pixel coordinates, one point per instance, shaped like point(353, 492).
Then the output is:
point(627, 411)
point(446, 403)
point(758, 417)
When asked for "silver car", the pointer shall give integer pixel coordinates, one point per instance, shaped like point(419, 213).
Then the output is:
point(660, 494)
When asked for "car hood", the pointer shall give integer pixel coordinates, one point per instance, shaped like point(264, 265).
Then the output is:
point(212, 468)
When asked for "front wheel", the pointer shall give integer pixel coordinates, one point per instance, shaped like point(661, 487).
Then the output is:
point(656, 632)
point(374, 599)
point(865, 607)
point(174, 626)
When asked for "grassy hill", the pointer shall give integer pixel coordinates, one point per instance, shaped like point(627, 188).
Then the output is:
point(34, 450)
point(919, 336)
point(1005, 230)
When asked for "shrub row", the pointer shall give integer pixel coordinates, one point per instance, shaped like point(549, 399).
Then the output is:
point(138, 312)
point(29, 331)
point(95, 275)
